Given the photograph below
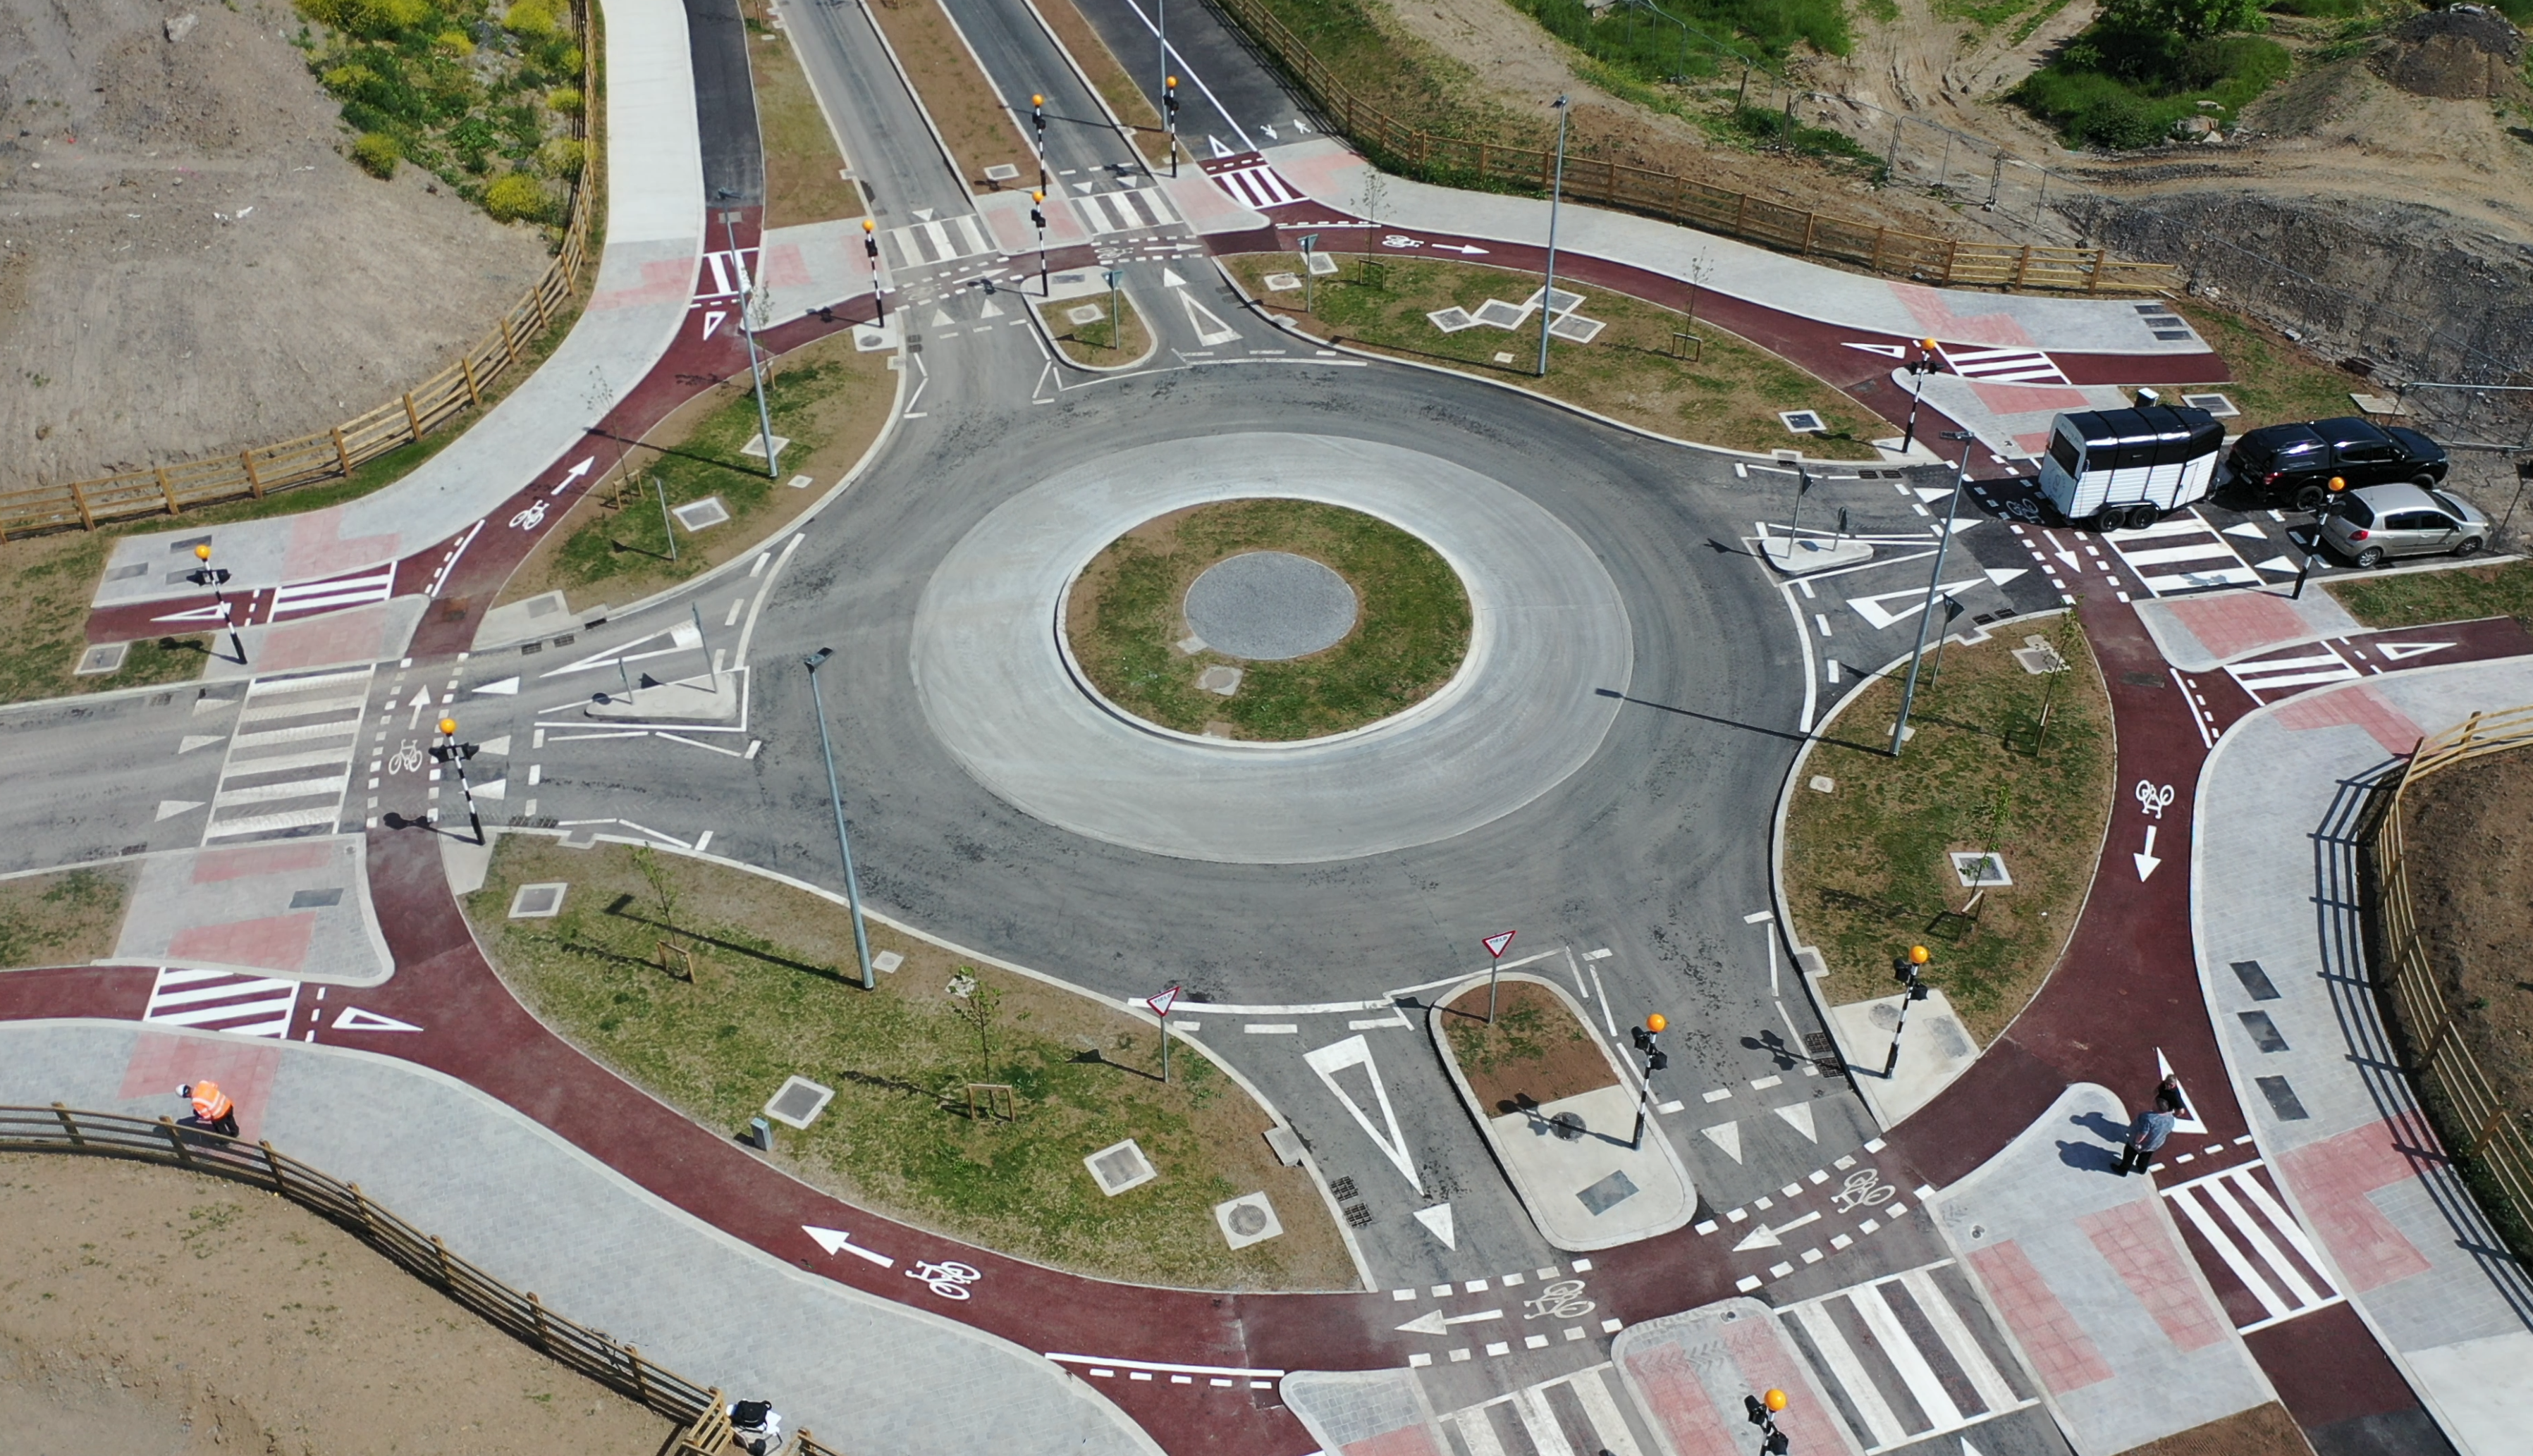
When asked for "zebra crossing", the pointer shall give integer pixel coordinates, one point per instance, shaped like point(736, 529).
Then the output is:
point(1131, 210)
point(1576, 1415)
point(219, 1001)
point(2003, 365)
point(2271, 678)
point(2237, 1216)
point(290, 757)
point(1908, 1357)
point(358, 590)
point(2181, 553)
point(1257, 187)
point(931, 241)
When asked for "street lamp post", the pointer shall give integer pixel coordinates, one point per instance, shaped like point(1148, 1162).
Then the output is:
point(747, 329)
point(1556, 196)
point(214, 578)
point(1647, 1038)
point(870, 250)
point(1934, 588)
point(454, 754)
point(836, 796)
point(1918, 368)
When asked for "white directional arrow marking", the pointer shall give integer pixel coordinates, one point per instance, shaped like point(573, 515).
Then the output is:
point(1464, 249)
point(169, 808)
point(1437, 1222)
point(837, 1241)
point(2246, 530)
point(1728, 1136)
point(2145, 861)
point(1764, 1237)
point(2000, 575)
point(2403, 651)
point(1270, 133)
point(1428, 1324)
point(1879, 617)
point(2162, 1070)
point(354, 1018)
point(1799, 1117)
point(421, 700)
point(507, 687)
point(576, 472)
point(1170, 278)
point(2067, 553)
point(1354, 1051)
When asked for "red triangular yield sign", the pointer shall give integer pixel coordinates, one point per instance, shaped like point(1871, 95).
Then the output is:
point(1496, 942)
point(1163, 1003)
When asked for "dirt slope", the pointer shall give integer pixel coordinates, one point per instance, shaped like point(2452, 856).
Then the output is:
point(187, 264)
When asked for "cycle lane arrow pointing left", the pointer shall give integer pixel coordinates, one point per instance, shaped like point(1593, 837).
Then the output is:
point(837, 1241)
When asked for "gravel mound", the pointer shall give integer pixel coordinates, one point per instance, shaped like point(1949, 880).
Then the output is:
point(2466, 53)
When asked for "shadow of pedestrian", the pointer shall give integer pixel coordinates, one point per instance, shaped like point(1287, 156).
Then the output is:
point(2088, 1157)
point(2101, 1127)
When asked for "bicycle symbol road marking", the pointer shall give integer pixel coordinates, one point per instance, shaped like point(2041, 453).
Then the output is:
point(2153, 797)
point(530, 518)
point(1863, 1188)
point(407, 759)
point(1559, 1301)
point(948, 1280)
point(1401, 239)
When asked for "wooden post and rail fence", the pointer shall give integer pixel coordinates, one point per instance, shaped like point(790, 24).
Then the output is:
point(521, 1314)
point(2488, 1137)
point(1921, 258)
point(337, 452)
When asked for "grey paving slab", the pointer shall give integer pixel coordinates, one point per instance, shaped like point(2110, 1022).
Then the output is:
point(1344, 1408)
point(865, 1374)
point(655, 226)
point(299, 910)
point(2093, 1281)
point(1526, 709)
point(1327, 172)
point(2274, 887)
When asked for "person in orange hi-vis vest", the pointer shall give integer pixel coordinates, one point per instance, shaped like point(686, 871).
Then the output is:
point(213, 1112)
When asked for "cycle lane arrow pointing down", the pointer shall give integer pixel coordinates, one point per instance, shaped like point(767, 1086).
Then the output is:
point(2146, 860)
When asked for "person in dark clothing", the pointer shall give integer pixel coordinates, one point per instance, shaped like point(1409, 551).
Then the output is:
point(2148, 1133)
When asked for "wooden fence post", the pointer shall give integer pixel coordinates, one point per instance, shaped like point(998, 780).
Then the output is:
point(2094, 283)
point(168, 491)
point(70, 1129)
point(412, 416)
point(1741, 210)
point(2023, 264)
point(79, 497)
point(273, 1161)
point(1878, 234)
point(1810, 222)
point(537, 1318)
point(369, 1220)
point(342, 456)
point(253, 482)
point(641, 1382)
point(440, 1252)
point(176, 1141)
point(509, 344)
point(2489, 1127)
point(466, 365)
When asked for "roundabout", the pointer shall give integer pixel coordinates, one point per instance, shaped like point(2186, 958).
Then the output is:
point(1001, 688)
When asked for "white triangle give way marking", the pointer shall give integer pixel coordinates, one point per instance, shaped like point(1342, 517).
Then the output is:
point(1216, 142)
point(921, 215)
point(496, 789)
point(1880, 617)
point(1170, 278)
point(1210, 330)
point(507, 687)
point(2395, 651)
point(1354, 1051)
point(354, 1018)
point(1887, 351)
point(2279, 565)
point(991, 310)
point(713, 320)
point(1728, 1136)
point(837, 1241)
point(1799, 1117)
point(500, 744)
point(2162, 1070)
point(1437, 1222)
point(169, 808)
point(2246, 530)
point(1998, 576)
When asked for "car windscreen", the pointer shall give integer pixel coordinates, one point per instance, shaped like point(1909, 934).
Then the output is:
point(2353, 509)
point(2453, 507)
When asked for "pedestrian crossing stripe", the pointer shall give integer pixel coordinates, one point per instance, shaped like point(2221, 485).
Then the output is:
point(2182, 553)
point(2003, 365)
point(1258, 186)
point(2255, 1238)
point(1908, 1357)
point(222, 1001)
point(1575, 1415)
point(923, 244)
point(1131, 210)
point(358, 590)
point(2283, 674)
point(290, 756)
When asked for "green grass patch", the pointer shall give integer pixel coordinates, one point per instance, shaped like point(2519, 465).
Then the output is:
point(1708, 37)
point(1109, 341)
point(1124, 615)
point(2276, 381)
point(1867, 865)
point(775, 993)
point(62, 919)
point(1388, 67)
point(2414, 599)
point(1714, 386)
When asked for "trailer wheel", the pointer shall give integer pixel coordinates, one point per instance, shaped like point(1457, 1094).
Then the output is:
point(2142, 516)
point(2108, 521)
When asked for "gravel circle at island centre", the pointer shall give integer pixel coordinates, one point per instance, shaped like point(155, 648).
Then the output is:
point(1270, 606)
point(1550, 650)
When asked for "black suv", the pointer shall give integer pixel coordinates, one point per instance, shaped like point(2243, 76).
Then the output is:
point(2292, 464)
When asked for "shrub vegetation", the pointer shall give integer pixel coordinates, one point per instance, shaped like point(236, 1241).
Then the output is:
point(2145, 65)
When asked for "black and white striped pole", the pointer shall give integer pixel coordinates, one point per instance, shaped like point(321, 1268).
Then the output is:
point(456, 754)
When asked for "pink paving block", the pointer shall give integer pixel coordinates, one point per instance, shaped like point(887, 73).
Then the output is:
point(784, 266)
point(1205, 205)
point(2332, 1180)
point(274, 943)
point(2030, 399)
point(2354, 707)
point(2061, 1353)
point(2032, 443)
point(664, 280)
point(1406, 1441)
point(212, 866)
point(2144, 1251)
point(359, 635)
point(318, 549)
point(1934, 314)
point(1678, 1402)
point(160, 1064)
point(2236, 624)
point(1759, 1348)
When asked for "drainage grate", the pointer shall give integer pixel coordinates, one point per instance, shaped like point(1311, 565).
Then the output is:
point(1358, 1215)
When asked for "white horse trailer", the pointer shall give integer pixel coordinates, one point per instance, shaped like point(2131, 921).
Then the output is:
point(2110, 469)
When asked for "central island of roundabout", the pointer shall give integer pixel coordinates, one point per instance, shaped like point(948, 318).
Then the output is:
point(1438, 665)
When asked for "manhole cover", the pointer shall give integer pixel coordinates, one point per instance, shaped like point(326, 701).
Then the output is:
point(1248, 1218)
point(1268, 606)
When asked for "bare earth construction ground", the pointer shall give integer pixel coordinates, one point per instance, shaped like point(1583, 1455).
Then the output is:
point(187, 265)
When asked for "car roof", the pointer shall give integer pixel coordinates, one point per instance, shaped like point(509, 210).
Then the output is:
point(2402, 497)
point(2349, 430)
point(2282, 438)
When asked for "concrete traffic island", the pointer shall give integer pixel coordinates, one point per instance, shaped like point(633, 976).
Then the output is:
point(1558, 1110)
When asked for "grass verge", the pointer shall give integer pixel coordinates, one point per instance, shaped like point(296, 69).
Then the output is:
point(961, 102)
point(1633, 371)
point(1535, 1053)
point(2415, 598)
point(1107, 341)
point(2275, 381)
point(774, 994)
point(1123, 618)
point(1867, 865)
point(830, 400)
point(804, 170)
point(62, 919)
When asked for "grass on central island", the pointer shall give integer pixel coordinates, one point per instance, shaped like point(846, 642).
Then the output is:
point(776, 992)
point(1867, 865)
point(1124, 617)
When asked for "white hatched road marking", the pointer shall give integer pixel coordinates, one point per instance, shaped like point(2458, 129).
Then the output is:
point(325, 596)
point(218, 1001)
point(2224, 566)
point(2247, 1239)
point(946, 240)
point(1122, 211)
point(2003, 365)
point(2286, 674)
point(1258, 186)
point(1837, 1361)
point(242, 809)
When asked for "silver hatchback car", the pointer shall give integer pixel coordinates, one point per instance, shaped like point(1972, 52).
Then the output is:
point(2370, 525)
